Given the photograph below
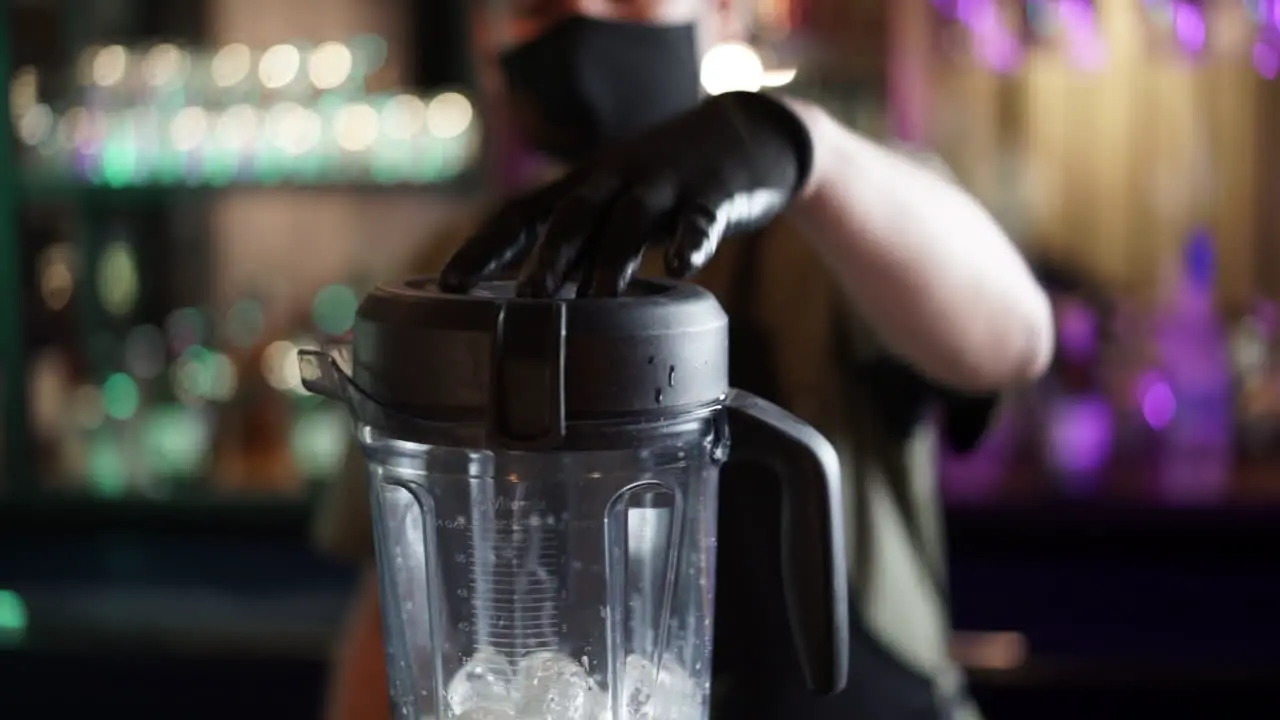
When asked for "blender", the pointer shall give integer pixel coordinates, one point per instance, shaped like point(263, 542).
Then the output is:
point(544, 478)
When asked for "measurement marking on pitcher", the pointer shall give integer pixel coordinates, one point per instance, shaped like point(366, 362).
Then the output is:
point(515, 595)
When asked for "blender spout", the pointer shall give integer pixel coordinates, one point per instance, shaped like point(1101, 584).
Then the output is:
point(322, 375)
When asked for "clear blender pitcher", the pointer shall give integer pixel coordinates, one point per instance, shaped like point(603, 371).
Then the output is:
point(544, 478)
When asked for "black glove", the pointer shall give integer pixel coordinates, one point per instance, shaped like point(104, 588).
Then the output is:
point(727, 167)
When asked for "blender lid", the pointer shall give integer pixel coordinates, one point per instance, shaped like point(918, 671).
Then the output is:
point(531, 369)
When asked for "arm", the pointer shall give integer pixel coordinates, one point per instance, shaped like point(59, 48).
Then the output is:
point(933, 274)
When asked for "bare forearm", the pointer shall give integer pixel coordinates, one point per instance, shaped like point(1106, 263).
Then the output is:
point(924, 263)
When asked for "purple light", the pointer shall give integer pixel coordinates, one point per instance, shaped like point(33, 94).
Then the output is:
point(950, 8)
point(997, 47)
point(1087, 49)
point(1001, 53)
point(1159, 406)
point(1188, 25)
point(1266, 60)
point(1077, 330)
point(1080, 437)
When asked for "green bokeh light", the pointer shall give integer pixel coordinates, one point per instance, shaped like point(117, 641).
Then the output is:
point(119, 161)
point(14, 617)
point(370, 51)
point(106, 465)
point(223, 377)
point(334, 309)
point(176, 440)
point(195, 371)
point(120, 396)
point(318, 441)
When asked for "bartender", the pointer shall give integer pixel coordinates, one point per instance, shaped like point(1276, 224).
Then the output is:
point(867, 293)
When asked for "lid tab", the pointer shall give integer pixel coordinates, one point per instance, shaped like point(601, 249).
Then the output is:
point(527, 398)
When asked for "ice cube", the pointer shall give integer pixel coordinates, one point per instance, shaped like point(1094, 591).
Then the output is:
point(553, 686)
point(649, 693)
point(485, 682)
point(638, 679)
point(675, 694)
point(485, 712)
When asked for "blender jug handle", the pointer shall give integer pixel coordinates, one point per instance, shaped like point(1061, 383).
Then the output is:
point(815, 571)
point(323, 375)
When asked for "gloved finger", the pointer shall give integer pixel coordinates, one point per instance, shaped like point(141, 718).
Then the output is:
point(560, 249)
point(504, 241)
point(631, 225)
point(699, 231)
point(495, 248)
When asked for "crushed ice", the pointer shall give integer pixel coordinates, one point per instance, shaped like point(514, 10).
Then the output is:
point(552, 686)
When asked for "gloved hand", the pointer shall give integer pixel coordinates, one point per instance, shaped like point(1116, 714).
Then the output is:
point(727, 167)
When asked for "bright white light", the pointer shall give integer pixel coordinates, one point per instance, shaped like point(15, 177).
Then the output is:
point(280, 365)
point(35, 125)
point(449, 115)
point(279, 66)
point(329, 65)
point(294, 128)
point(732, 66)
point(231, 64)
point(188, 128)
point(164, 64)
point(403, 117)
point(24, 91)
point(237, 127)
point(356, 127)
point(109, 65)
point(778, 78)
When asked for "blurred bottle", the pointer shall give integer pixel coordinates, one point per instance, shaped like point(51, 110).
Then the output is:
point(1257, 380)
point(1196, 462)
point(1077, 428)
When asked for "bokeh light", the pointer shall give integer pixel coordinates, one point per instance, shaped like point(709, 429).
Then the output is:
point(1189, 26)
point(56, 271)
point(24, 91)
point(356, 127)
point(279, 66)
point(403, 117)
point(1266, 58)
point(110, 65)
point(224, 379)
point(334, 309)
point(118, 278)
point(165, 64)
point(280, 366)
point(120, 396)
point(732, 66)
point(231, 65)
point(1159, 404)
point(449, 115)
point(35, 125)
point(329, 65)
point(237, 128)
point(188, 128)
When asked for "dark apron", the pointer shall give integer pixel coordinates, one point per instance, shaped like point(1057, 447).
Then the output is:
point(756, 675)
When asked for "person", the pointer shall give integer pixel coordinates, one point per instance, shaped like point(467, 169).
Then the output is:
point(865, 291)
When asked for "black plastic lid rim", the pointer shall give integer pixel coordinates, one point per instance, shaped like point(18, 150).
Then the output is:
point(538, 374)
